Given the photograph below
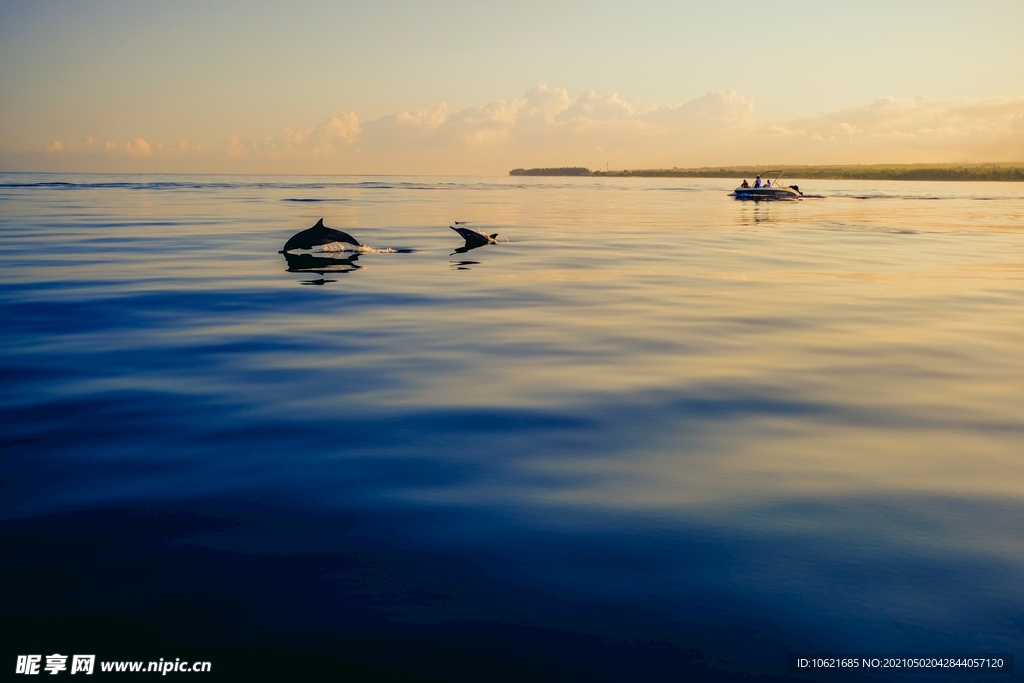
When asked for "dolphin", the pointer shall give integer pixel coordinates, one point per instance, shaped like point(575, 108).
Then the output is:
point(473, 238)
point(316, 236)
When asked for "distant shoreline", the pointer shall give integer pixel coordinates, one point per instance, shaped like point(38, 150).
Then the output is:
point(1008, 172)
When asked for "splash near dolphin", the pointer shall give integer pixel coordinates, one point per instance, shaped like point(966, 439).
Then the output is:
point(317, 236)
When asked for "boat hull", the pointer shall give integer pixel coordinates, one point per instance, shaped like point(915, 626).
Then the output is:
point(761, 193)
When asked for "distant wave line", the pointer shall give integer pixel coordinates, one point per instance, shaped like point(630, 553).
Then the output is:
point(369, 185)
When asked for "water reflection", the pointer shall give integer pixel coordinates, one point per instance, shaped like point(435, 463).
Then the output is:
point(758, 212)
point(321, 264)
point(470, 247)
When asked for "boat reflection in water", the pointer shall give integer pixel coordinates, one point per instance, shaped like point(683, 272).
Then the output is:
point(771, 189)
point(320, 263)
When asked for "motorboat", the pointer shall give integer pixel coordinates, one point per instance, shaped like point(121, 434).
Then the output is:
point(770, 189)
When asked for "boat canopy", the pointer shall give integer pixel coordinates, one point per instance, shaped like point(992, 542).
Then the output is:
point(768, 173)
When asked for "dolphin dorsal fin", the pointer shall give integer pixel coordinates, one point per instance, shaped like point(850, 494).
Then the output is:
point(319, 223)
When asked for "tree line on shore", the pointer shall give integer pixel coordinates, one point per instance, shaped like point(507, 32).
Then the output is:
point(986, 172)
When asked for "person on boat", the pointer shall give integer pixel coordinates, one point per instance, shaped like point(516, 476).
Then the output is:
point(768, 183)
point(745, 183)
point(757, 181)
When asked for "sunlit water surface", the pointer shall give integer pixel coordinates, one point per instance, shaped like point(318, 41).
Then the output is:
point(653, 414)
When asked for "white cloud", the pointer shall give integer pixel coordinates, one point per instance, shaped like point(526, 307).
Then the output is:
point(593, 107)
point(543, 104)
point(407, 127)
point(719, 107)
point(845, 128)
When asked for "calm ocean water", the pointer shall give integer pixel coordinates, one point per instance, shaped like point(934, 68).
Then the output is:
point(656, 431)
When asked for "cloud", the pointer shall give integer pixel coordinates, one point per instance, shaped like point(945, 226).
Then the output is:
point(406, 129)
point(182, 148)
point(327, 140)
point(137, 148)
point(716, 107)
point(90, 155)
point(543, 104)
point(548, 127)
point(595, 108)
point(921, 129)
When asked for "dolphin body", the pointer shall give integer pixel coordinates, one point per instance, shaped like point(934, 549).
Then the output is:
point(316, 236)
point(473, 238)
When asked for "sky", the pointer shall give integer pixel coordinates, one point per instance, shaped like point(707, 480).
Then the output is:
point(480, 88)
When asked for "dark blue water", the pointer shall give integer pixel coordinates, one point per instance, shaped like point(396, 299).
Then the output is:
point(655, 434)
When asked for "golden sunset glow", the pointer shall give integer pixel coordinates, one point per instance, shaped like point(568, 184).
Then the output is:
point(458, 89)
